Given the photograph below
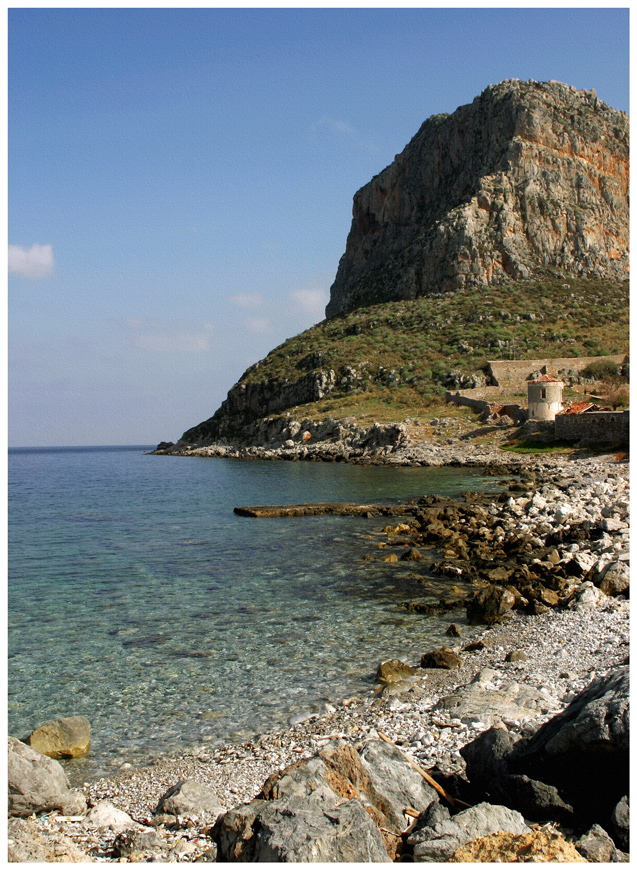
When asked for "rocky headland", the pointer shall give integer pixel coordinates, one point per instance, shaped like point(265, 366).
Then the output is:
point(510, 743)
point(500, 228)
point(529, 176)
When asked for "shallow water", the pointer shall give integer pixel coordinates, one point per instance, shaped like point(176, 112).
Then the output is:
point(138, 599)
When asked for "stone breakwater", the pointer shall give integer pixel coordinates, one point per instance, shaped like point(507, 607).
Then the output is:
point(473, 724)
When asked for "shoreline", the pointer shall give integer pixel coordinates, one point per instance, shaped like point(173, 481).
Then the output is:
point(577, 645)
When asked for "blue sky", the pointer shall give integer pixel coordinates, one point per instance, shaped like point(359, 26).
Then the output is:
point(181, 183)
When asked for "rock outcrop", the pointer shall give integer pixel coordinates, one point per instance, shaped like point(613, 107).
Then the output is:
point(529, 177)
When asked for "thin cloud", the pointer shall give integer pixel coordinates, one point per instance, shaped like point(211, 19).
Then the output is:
point(334, 125)
point(34, 262)
point(246, 301)
point(310, 301)
point(165, 336)
point(257, 324)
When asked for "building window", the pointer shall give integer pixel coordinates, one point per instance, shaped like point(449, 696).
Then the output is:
point(544, 392)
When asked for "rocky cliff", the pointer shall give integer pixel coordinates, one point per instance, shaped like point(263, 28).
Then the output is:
point(531, 176)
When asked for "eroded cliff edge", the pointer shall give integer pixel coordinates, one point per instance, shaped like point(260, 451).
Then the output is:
point(530, 176)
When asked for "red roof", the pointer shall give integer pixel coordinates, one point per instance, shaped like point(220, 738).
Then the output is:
point(546, 379)
point(577, 408)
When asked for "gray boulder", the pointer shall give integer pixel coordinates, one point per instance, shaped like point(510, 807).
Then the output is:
point(482, 701)
point(189, 799)
point(302, 831)
point(395, 779)
point(138, 842)
point(535, 800)
point(439, 841)
point(298, 829)
point(620, 824)
point(596, 846)
point(486, 756)
point(583, 751)
point(38, 784)
point(106, 815)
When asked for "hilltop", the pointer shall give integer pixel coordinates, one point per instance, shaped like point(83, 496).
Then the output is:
point(501, 231)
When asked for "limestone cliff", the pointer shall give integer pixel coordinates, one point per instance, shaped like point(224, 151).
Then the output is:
point(531, 176)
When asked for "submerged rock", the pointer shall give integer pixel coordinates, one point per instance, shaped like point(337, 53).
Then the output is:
point(63, 738)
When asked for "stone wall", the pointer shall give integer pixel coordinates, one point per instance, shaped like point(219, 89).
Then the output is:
point(510, 372)
point(600, 427)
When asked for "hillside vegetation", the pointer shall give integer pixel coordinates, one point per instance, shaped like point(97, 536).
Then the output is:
point(394, 360)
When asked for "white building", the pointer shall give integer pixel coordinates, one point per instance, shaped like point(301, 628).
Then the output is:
point(545, 398)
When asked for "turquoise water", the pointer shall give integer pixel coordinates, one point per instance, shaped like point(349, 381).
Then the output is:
point(138, 599)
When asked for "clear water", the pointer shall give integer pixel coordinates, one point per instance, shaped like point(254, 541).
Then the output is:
point(138, 599)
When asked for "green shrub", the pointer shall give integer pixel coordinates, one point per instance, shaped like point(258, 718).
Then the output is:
point(601, 369)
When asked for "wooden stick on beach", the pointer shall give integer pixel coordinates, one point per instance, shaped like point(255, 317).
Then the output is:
point(454, 802)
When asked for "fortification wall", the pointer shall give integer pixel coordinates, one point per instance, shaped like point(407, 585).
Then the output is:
point(507, 372)
point(609, 427)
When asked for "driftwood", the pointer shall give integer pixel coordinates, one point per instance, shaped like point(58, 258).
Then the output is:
point(452, 801)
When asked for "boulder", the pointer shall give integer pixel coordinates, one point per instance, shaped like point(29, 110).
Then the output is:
point(535, 800)
point(63, 738)
point(486, 756)
point(587, 597)
point(38, 784)
point(393, 670)
point(395, 779)
point(441, 658)
point(481, 701)
point(620, 824)
point(138, 842)
point(189, 799)
point(106, 815)
point(490, 605)
point(542, 845)
point(584, 751)
point(440, 841)
point(412, 554)
point(596, 846)
point(299, 830)
point(26, 844)
point(616, 579)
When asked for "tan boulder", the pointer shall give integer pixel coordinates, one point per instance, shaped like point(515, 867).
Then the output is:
point(538, 845)
point(63, 738)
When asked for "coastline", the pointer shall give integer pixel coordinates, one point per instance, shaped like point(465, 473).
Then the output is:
point(577, 645)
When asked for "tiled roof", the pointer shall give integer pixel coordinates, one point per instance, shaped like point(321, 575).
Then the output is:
point(577, 408)
point(546, 379)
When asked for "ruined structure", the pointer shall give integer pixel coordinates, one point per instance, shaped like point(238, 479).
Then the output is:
point(545, 398)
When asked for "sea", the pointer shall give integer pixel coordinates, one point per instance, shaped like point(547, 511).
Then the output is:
point(138, 599)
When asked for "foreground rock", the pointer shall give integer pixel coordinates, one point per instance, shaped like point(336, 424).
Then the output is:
point(38, 784)
point(191, 800)
point(63, 738)
point(26, 844)
point(440, 840)
point(584, 751)
point(340, 805)
point(534, 846)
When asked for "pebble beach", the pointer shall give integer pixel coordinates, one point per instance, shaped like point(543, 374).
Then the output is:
point(535, 664)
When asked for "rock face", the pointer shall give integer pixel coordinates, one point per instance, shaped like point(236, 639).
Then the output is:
point(530, 176)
